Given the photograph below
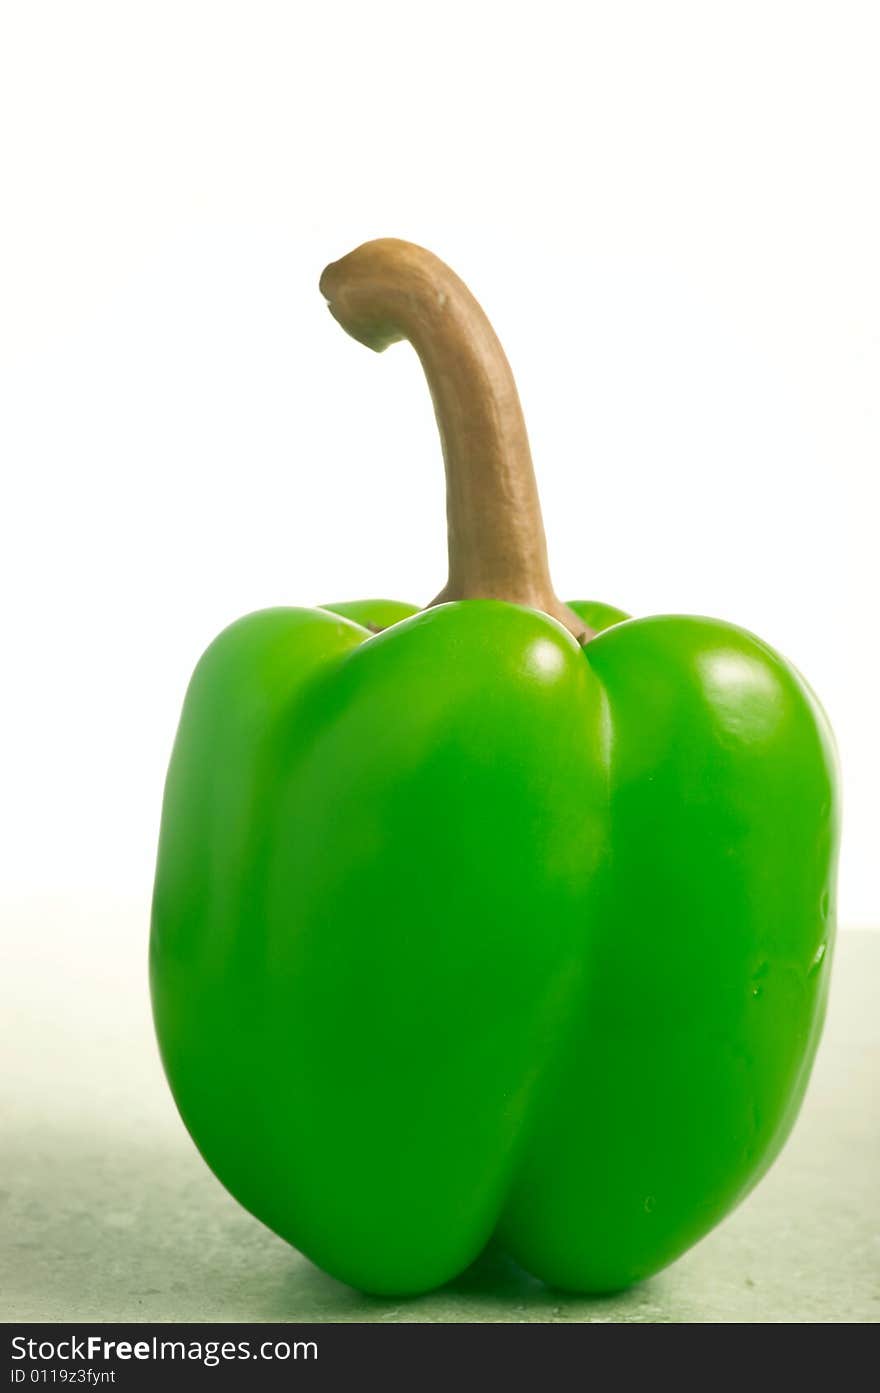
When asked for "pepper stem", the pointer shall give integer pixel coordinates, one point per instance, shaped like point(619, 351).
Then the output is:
point(389, 290)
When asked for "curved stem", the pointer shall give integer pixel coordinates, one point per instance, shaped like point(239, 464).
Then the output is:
point(389, 290)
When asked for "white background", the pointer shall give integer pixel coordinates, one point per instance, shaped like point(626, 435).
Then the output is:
point(670, 212)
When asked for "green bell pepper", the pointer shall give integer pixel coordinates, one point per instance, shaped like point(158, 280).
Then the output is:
point(501, 919)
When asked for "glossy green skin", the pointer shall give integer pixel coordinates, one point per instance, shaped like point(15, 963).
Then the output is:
point(461, 930)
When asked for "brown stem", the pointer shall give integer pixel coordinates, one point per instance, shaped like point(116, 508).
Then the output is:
point(389, 290)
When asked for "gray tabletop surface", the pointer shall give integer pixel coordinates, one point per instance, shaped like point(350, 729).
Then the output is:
point(107, 1213)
